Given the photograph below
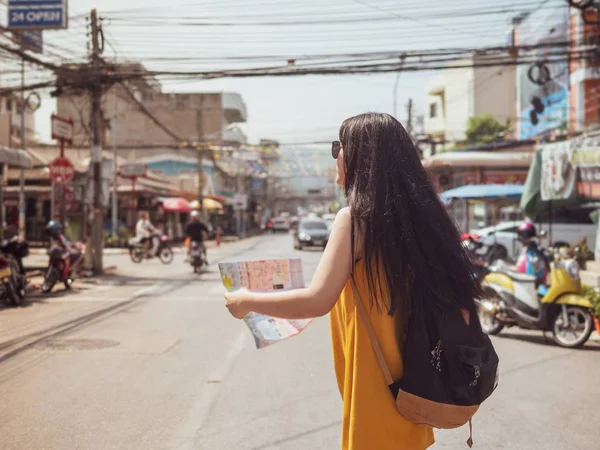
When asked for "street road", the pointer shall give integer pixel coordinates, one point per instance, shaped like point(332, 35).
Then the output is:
point(150, 359)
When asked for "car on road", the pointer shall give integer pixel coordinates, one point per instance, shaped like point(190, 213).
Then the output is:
point(311, 233)
point(281, 224)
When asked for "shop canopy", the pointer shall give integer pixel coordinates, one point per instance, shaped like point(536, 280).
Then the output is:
point(176, 204)
point(532, 201)
point(484, 192)
point(207, 203)
point(15, 158)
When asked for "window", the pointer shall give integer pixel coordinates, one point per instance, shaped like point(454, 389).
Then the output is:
point(433, 110)
point(8, 105)
point(314, 225)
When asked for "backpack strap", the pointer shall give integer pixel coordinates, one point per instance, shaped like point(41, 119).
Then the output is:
point(362, 312)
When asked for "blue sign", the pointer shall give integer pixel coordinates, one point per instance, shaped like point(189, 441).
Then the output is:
point(37, 14)
point(35, 2)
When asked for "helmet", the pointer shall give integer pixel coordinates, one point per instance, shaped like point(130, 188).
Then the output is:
point(526, 231)
point(54, 228)
point(195, 215)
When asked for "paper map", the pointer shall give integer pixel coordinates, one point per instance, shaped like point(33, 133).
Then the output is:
point(265, 276)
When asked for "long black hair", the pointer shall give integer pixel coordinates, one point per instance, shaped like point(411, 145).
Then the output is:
point(412, 252)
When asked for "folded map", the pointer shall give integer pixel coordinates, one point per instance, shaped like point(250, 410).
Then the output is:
point(264, 276)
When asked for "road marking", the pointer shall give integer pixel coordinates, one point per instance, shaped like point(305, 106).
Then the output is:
point(186, 437)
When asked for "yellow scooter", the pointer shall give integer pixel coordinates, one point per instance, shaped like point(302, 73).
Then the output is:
point(515, 299)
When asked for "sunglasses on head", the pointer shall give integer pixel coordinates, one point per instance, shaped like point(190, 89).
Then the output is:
point(336, 146)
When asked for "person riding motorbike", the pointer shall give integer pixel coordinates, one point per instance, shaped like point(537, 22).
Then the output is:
point(196, 231)
point(71, 254)
point(532, 260)
point(145, 231)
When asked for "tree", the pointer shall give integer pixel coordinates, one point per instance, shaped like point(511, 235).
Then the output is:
point(484, 129)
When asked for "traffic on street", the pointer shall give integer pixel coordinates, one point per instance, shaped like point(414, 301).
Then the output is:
point(151, 354)
point(272, 224)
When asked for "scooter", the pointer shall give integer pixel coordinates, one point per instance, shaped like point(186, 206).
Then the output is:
point(57, 271)
point(515, 299)
point(163, 250)
point(12, 273)
point(197, 256)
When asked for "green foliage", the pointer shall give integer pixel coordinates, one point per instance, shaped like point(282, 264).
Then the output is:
point(484, 129)
point(593, 295)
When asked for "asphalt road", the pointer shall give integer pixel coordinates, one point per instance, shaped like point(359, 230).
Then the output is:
point(150, 359)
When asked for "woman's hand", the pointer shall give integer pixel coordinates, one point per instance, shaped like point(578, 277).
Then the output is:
point(237, 303)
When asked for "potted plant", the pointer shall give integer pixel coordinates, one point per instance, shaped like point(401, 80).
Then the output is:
point(593, 295)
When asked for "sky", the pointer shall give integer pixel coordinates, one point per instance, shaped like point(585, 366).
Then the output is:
point(293, 110)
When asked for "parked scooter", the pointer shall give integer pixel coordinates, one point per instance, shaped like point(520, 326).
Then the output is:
point(12, 273)
point(163, 249)
point(516, 299)
point(197, 256)
point(63, 266)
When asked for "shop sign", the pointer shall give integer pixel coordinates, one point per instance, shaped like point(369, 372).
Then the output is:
point(559, 173)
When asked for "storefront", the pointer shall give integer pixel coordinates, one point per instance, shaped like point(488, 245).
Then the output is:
point(9, 158)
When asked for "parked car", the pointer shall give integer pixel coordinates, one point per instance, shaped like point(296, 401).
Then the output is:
point(281, 224)
point(500, 241)
point(311, 233)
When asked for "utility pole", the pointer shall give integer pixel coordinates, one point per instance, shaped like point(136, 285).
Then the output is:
point(409, 126)
point(22, 225)
point(115, 218)
point(201, 180)
point(97, 234)
point(396, 93)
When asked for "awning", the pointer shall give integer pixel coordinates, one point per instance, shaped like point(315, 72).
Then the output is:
point(480, 160)
point(484, 191)
point(207, 203)
point(177, 204)
point(531, 201)
point(15, 158)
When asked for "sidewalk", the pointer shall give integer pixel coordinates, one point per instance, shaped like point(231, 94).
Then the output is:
point(46, 315)
point(123, 251)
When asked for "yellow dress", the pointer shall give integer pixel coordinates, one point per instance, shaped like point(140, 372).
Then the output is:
point(370, 420)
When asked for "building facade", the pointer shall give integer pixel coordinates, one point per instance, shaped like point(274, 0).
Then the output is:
point(10, 122)
point(569, 102)
point(455, 95)
point(134, 110)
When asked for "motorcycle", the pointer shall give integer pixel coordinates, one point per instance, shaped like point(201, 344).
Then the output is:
point(56, 271)
point(197, 256)
point(515, 299)
point(12, 272)
point(163, 250)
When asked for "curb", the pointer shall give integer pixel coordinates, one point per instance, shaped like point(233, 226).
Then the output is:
point(125, 251)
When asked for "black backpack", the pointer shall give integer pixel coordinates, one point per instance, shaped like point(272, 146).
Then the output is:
point(450, 367)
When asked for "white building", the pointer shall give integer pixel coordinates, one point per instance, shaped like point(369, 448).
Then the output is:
point(455, 95)
point(10, 122)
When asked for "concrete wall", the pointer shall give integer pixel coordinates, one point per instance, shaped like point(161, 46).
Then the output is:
point(452, 94)
point(459, 94)
point(495, 92)
point(189, 116)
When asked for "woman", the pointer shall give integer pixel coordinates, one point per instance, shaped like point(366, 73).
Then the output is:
point(398, 245)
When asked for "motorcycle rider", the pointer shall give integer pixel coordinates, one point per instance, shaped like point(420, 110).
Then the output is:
point(71, 254)
point(196, 230)
point(145, 231)
point(532, 260)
